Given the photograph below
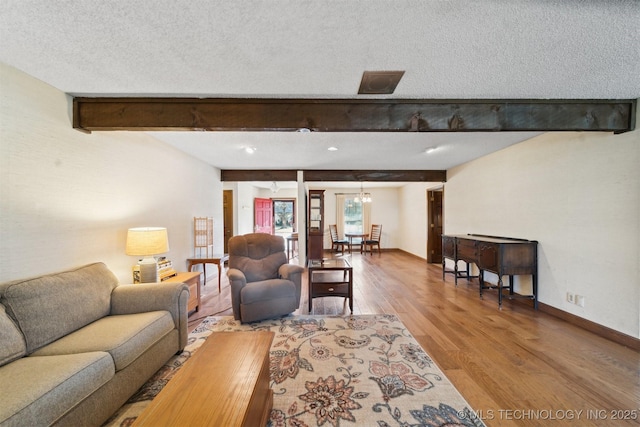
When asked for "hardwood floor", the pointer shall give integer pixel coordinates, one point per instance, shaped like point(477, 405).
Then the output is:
point(515, 366)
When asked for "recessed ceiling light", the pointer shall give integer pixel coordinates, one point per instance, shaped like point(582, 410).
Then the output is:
point(430, 150)
point(250, 150)
point(332, 148)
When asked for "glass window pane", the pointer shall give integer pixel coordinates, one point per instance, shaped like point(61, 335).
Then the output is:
point(283, 217)
point(352, 215)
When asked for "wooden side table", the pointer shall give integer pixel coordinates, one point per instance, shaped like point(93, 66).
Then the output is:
point(218, 259)
point(330, 278)
point(193, 281)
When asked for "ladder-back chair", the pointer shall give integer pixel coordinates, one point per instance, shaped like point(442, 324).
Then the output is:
point(374, 239)
point(336, 242)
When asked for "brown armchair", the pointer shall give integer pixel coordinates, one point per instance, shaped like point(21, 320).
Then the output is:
point(263, 284)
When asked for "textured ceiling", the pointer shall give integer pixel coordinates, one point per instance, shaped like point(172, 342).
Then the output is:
point(449, 49)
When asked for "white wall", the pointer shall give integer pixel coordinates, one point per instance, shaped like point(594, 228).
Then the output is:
point(413, 227)
point(67, 198)
point(578, 195)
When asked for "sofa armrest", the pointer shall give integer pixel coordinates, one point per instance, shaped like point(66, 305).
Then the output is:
point(143, 297)
point(237, 281)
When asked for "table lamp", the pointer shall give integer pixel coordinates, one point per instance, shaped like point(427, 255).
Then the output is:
point(147, 242)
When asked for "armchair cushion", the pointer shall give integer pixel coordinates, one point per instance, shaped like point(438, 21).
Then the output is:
point(267, 290)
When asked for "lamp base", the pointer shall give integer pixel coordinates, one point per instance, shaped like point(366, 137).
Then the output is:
point(148, 270)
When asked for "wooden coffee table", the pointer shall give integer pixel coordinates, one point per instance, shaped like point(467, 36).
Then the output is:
point(224, 383)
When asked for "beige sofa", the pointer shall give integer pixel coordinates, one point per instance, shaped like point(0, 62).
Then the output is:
point(76, 345)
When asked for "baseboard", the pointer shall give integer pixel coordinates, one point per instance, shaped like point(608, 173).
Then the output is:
point(412, 255)
point(593, 327)
point(600, 330)
point(588, 325)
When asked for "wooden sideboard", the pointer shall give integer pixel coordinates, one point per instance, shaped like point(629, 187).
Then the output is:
point(503, 256)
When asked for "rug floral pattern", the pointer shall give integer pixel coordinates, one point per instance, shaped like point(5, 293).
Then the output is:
point(364, 370)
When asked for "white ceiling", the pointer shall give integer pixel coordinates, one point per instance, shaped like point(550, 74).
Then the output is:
point(449, 49)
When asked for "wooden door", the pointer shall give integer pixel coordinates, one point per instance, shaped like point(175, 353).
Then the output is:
point(435, 223)
point(227, 217)
point(263, 216)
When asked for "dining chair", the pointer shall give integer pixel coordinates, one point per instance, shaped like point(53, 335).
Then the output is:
point(336, 242)
point(374, 239)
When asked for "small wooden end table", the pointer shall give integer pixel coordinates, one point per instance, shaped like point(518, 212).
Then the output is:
point(193, 281)
point(218, 259)
point(225, 383)
point(331, 277)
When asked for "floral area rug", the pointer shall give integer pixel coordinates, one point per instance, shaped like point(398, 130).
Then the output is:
point(364, 370)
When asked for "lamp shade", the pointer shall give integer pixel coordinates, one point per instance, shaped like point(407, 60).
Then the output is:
point(146, 241)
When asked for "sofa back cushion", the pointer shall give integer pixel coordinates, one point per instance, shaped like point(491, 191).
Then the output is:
point(49, 307)
point(13, 346)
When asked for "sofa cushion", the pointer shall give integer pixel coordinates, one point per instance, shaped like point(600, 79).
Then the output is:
point(46, 308)
point(13, 346)
point(125, 337)
point(49, 386)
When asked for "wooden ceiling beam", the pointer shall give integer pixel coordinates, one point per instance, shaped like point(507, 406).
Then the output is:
point(237, 175)
point(233, 175)
point(376, 175)
point(351, 115)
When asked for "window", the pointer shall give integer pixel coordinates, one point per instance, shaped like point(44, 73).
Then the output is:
point(353, 215)
point(283, 217)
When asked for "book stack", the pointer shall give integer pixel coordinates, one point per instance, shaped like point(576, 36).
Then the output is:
point(165, 269)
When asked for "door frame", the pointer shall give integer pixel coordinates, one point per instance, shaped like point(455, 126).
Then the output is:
point(227, 218)
point(432, 213)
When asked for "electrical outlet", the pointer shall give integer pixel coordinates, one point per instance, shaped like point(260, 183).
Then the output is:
point(571, 298)
point(579, 300)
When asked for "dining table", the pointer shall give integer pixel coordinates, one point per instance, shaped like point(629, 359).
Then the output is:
point(361, 236)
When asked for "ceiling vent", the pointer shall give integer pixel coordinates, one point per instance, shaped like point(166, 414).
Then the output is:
point(379, 82)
